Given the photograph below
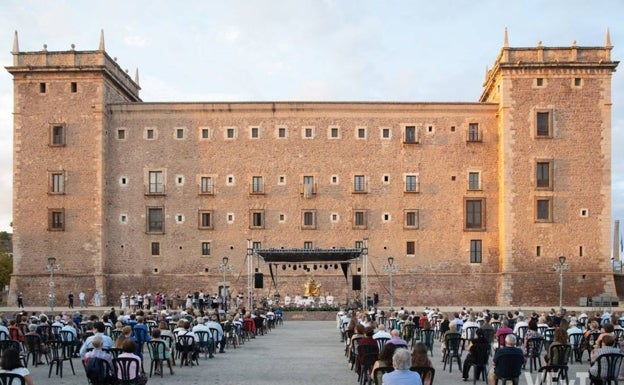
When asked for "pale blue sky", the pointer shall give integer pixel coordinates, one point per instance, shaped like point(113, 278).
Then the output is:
point(327, 50)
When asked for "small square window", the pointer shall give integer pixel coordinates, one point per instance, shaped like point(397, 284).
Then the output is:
point(155, 248)
point(334, 217)
point(256, 245)
point(412, 184)
point(578, 82)
point(73, 87)
point(307, 245)
point(475, 250)
point(452, 128)
point(229, 180)
point(386, 179)
point(538, 251)
point(121, 134)
point(230, 133)
point(385, 133)
point(205, 248)
point(386, 217)
point(180, 180)
point(308, 133)
point(254, 132)
point(430, 129)
point(42, 88)
point(282, 217)
point(539, 82)
point(179, 133)
point(179, 218)
point(281, 180)
point(230, 218)
point(123, 218)
point(334, 179)
point(205, 133)
point(334, 132)
point(361, 133)
point(149, 133)
point(123, 181)
point(281, 132)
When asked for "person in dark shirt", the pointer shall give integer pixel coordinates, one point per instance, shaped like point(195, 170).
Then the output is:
point(507, 361)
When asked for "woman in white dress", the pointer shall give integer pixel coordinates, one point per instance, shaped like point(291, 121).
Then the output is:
point(11, 363)
point(124, 300)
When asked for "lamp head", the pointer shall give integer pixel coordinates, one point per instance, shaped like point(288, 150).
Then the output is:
point(390, 260)
point(562, 260)
point(51, 261)
point(225, 260)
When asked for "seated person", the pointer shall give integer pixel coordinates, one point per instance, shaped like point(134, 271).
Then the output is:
point(385, 356)
point(420, 358)
point(608, 342)
point(156, 337)
point(129, 347)
point(477, 345)
point(560, 337)
point(511, 365)
point(12, 363)
point(402, 375)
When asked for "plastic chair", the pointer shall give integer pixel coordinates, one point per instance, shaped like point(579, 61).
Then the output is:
point(104, 367)
point(34, 349)
point(557, 363)
point(59, 353)
point(11, 379)
point(480, 355)
point(188, 356)
point(425, 372)
point(205, 344)
point(427, 337)
point(379, 372)
point(575, 340)
point(381, 342)
point(368, 356)
point(124, 368)
point(508, 368)
point(157, 352)
point(608, 368)
point(453, 345)
point(534, 350)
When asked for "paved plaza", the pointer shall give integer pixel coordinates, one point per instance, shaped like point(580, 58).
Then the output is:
point(299, 352)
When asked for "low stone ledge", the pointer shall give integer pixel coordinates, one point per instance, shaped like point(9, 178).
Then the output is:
point(310, 315)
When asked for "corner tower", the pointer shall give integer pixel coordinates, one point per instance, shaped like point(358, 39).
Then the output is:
point(60, 124)
point(554, 128)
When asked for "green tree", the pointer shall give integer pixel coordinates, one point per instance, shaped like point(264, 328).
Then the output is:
point(6, 268)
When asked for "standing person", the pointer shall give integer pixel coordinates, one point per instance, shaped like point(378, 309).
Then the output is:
point(124, 300)
point(70, 300)
point(82, 297)
point(20, 300)
point(139, 300)
point(97, 299)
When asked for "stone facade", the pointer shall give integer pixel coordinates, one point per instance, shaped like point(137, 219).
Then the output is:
point(475, 201)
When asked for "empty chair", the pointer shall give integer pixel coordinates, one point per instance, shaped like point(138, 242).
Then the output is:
point(453, 346)
point(59, 354)
point(427, 337)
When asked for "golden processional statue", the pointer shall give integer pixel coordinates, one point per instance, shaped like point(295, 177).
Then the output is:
point(312, 288)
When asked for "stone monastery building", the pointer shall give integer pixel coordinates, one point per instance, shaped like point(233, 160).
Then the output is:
point(474, 201)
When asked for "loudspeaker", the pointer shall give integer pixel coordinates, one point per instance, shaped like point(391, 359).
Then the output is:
point(258, 280)
point(356, 284)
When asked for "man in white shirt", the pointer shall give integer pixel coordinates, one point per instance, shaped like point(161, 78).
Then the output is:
point(381, 333)
point(220, 338)
point(520, 323)
point(329, 299)
point(82, 297)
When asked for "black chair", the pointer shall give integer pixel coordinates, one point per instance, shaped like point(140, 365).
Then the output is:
point(479, 355)
point(381, 342)
point(453, 350)
point(59, 353)
point(521, 334)
point(12, 344)
point(608, 368)
point(35, 349)
point(125, 370)
point(205, 343)
point(56, 332)
point(425, 372)
point(575, 340)
point(114, 334)
point(368, 355)
point(549, 337)
point(106, 376)
point(489, 334)
point(379, 372)
point(115, 352)
point(214, 332)
point(11, 379)
point(4, 335)
point(427, 337)
point(557, 364)
point(500, 340)
point(495, 325)
point(186, 348)
point(157, 352)
point(508, 368)
point(533, 352)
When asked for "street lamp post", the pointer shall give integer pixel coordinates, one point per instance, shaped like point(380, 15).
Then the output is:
point(391, 268)
point(52, 266)
point(225, 268)
point(561, 266)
